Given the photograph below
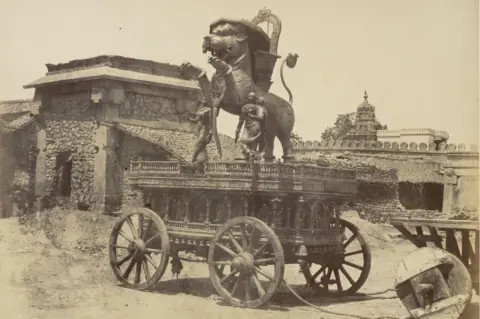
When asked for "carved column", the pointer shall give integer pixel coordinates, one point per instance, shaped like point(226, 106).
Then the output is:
point(246, 200)
point(107, 177)
point(276, 213)
point(208, 208)
point(186, 202)
point(299, 215)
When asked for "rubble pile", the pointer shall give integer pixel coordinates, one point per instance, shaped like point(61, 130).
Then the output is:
point(377, 197)
point(365, 172)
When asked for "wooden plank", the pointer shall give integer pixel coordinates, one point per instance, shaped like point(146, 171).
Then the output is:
point(451, 243)
point(465, 247)
point(446, 308)
point(477, 245)
point(419, 230)
point(431, 238)
point(411, 237)
point(438, 240)
point(439, 223)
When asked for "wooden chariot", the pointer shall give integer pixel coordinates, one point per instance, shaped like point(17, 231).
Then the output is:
point(247, 221)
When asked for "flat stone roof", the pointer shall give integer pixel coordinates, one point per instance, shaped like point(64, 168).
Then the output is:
point(116, 68)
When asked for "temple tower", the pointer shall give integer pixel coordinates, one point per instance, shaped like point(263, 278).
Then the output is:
point(365, 122)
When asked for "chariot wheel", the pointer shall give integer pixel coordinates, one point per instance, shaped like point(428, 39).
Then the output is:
point(246, 262)
point(139, 248)
point(346, 273)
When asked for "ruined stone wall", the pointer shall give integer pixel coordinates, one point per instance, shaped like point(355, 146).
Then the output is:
point(465, 194)
point(132, 148)
point(70, 126)
point(380, 208)
point(17, 174)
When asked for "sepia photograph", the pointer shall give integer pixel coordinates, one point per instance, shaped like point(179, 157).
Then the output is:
point(239, 159)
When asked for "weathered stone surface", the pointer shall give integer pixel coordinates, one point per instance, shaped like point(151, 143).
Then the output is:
point(70, 126)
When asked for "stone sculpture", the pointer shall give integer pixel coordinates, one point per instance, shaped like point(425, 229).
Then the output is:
point(242, 65)
point(253, 118)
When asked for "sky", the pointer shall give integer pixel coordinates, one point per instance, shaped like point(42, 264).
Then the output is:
point(418, 59)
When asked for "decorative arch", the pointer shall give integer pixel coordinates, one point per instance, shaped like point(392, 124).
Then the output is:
point(266, 15)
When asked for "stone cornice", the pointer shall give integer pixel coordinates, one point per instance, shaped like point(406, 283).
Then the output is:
point(114, 74)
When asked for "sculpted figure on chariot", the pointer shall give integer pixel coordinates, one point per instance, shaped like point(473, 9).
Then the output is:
point(244, 57)
point(204, 135)
point(253, 118)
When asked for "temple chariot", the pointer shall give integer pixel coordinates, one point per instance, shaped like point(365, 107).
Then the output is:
point(248, 218)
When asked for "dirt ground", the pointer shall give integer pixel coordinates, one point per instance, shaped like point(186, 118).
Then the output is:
point(65, 273)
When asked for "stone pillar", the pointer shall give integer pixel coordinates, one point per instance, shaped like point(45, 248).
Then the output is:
point(40, 187)
point(107, 178)
point(448, 188)
point(466, 186)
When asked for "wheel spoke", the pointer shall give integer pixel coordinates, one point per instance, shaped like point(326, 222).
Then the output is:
point(347, 275)
point(326, 279)
point(259, 250)
point(138, 272)
point(258, 284)
point(243, 235)
point(146, 270)
point(356, 252)
point(151, 250)
point(337, 278)
point(234, 242)
point(349, 241)
point(247, 289)
point(147, 229)
point(264, 274)
point(123, 260)
point(121, 233)
point(264, 261)
point(329, 275)
point(151, 238)
point(140, 226)
point(352, 265)
point(132, 228)
point(151, 261)
point(315, 275)
point(227, 250)
point(129, 269)
point(239, 278)
point(230, 275)
point(252, 239)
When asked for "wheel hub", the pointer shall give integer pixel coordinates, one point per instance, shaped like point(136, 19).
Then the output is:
point(137, 248)
point(243, 262)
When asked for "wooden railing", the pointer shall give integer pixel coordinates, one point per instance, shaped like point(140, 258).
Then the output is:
point(260, 170)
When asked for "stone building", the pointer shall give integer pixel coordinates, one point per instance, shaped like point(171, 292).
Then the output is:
point(431, 177)
point(17, 135)
point(417, 135)
point(95, 116)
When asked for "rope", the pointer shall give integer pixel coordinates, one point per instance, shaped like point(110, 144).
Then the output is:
point(340, 313)
point(352, 298)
